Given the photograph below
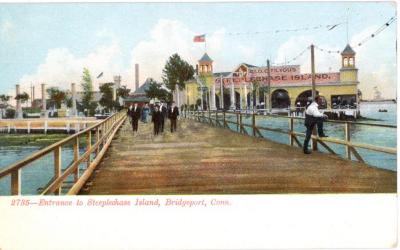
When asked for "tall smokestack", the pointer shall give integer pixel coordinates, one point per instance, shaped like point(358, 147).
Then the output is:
point(136, 76)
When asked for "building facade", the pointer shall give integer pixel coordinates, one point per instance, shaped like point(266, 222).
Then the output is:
point(246, 86)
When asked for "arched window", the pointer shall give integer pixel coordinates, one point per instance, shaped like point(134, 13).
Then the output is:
point(351, 61)
point(345, 62)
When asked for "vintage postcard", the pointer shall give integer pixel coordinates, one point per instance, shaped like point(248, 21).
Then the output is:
point(255, 124)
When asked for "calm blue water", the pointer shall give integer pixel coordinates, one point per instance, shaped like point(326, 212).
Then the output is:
point(38, 173)
point(378, 136)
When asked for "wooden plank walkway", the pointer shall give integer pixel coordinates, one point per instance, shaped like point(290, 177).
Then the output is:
point(200, 159)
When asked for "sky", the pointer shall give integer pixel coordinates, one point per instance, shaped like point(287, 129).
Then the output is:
point(52, 43)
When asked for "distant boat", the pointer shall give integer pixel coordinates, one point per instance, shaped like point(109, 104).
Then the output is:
point(382, 110)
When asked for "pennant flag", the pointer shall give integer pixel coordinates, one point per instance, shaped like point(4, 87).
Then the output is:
point(200, 39)
point(100, 75)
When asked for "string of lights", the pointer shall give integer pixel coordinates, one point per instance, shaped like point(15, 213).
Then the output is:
point(379, 30)
point(329, 27)
point(293, 59)
point(327, 50)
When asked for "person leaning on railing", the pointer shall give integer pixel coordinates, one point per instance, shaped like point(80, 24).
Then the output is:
point(313, 116)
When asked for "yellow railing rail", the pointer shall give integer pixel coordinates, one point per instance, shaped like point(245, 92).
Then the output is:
point(103, 131)
point(212, 117)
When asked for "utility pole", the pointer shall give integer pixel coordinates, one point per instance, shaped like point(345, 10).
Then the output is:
point(314, 132)
point(269, 87)
point(313, 72)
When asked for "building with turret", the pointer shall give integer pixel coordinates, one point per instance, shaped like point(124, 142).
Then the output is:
point(246, 85)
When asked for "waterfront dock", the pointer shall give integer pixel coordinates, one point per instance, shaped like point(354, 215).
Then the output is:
point(201, 159)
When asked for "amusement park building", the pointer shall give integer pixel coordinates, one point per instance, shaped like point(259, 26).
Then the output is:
point(288, 85)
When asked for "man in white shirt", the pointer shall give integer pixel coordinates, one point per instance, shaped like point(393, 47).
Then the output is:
point(313, 116)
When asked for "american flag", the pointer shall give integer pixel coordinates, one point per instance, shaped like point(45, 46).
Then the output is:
point(199, 39)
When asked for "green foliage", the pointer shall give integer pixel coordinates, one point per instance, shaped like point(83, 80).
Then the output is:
point(10, 113)
point(176, 71)
point(123, 92)
point(5, 98)
point(57, 96)
point(107, 96)
point(31, 110)
point(87, 98)
point(155, 90)
point(23, 97)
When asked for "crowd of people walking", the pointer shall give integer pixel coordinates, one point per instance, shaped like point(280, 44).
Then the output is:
point(159, 113)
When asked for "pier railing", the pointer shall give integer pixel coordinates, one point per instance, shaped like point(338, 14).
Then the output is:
point(44, 125)
point(103, 133)
point(219, 118)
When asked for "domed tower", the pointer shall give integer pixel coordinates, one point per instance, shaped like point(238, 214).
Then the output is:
point(348, 72)
point(205, 65)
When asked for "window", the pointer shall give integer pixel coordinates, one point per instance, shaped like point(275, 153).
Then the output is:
point(345, 62)
point(351, 61)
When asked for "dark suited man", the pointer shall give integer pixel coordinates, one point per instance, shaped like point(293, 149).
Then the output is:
point(164, 113)
point(173, 114)
point(135, 114)
point(313, 117)
point(156, 119)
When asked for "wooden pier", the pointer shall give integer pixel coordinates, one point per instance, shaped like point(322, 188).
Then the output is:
point(200, 159)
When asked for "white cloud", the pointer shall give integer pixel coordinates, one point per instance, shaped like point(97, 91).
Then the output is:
point(61, 67)
point(166, 38)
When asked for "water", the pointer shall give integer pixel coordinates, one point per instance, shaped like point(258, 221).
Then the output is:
point(377, 136)
point(36, 174)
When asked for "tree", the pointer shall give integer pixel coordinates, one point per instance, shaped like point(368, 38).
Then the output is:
point(123, 92)
point(176, 71)
point(87, 98)
point(57, 96)
point(23, 97)
point(107, 100)
point(156, 90)
point(5, 98)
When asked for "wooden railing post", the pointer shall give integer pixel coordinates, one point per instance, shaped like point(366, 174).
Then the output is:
point(57, 167)
point(254, 123)
point(97, 139)
point(347, 138)
point(88, 145)
point(240, 122)
point(76, 157)
point(16, 182)
point(237, 122)
point(314, 141)
point(291, 131)
point(224, 122)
